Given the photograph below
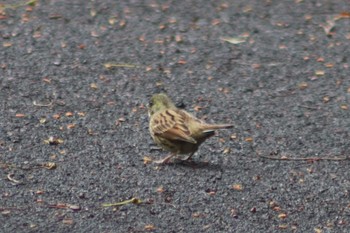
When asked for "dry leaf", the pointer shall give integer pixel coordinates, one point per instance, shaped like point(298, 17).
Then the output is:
point(319, 72)
point(226, 150)
point(197, 108)
point(147, 160)
point(329, 65)
point(284, 226)
point(20, 115)
point(49, 165)
point(282, 216)
point(53, 141)
point(178, 38)
point(93, 86)
point(7, 44)
point(326, 99)
point(344, 107)
point(237, 187)
point(69, 114)
point(248, 139)
point(196, 215)
point(303, 85)
point(160, 189)
point(149, 227)
point(68, 221)
point(70, 126)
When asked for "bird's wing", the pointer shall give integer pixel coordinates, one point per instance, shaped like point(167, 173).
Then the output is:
point(171, 124)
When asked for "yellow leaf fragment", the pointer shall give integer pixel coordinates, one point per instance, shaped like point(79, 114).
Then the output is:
point(49, 165)
point(226, 150)
point(319, 72)
point(93, 86)
point(234, 40)
point(53, 141)
point(42, 120)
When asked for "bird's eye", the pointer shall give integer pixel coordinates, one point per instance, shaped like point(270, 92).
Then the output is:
point(150, 103)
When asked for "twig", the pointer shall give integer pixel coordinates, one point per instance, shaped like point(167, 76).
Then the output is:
point(9, 177)
point(308, 107)
point(305, 158)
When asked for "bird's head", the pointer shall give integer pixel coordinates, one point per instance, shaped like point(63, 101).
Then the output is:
point(159, 102)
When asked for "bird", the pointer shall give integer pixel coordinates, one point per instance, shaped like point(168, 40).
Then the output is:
point(176, 130)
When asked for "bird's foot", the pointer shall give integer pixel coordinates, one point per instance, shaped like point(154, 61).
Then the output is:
point(189, 158)
point(164, 160)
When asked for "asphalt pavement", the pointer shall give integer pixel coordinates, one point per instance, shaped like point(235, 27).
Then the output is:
point(75, 81)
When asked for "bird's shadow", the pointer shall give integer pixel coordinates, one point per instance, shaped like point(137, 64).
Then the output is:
point(197, 164)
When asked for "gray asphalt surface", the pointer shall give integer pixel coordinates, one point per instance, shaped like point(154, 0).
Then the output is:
point(75, 77)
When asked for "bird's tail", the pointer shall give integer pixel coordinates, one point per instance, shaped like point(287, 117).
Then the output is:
point(210, 127)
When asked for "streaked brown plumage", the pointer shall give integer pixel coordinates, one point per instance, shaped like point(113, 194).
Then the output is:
point(176, 130)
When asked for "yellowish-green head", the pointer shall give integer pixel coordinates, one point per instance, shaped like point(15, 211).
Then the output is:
point(159, 102)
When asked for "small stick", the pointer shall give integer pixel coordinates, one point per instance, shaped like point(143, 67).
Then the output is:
point(305, 158)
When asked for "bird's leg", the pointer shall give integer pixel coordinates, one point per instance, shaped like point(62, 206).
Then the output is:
point(166, 159)
point(189, 157)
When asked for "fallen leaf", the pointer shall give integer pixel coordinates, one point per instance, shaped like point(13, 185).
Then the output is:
point(237, 187)
point(93, 86)
point(226, 150)
point(282, 216)
point(249, 139)
point(319, 72)
point(234, 40)
point(49, 165)
point(283, 226)
point(344, 107)
point(147, 160)
point(68, 221)
point(69, 114)
point(149, 227)
point(160, 189)
point(303, 85)
point(53, 141)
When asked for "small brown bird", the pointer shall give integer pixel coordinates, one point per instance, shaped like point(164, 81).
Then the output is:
point(176, 130)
